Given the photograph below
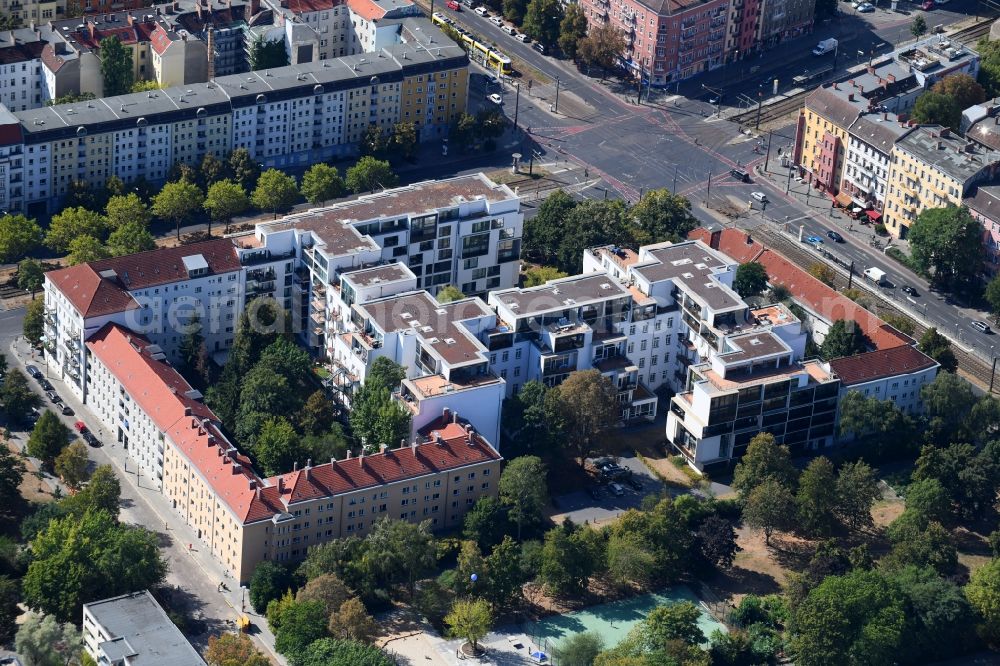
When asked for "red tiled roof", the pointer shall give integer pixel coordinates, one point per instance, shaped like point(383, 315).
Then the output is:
point(52, 60)
point(880, 363)
point(804, 288)
point(159, 40)
point(457, 449)
point(93, 295)
point(160, 391)
point(302, 6)
point(366, 9)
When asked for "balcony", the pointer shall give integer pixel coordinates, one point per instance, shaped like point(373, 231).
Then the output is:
point(256, 288)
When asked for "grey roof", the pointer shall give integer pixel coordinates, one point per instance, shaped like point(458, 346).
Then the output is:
point(986, 132)
point(753, 345)
point(985, 201)
point(879, 130)
point(952, 155)
point(693, 264)
point(141, 630)
point(379, 274)
point(557, 295)
point(835, 105)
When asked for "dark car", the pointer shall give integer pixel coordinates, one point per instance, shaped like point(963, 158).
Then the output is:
point(835, 237)
point(33, 371)
point(910, 291)
point(67, 410)
point(633, 483)
point(45, 384)
point(90, 439)
point(53, 397)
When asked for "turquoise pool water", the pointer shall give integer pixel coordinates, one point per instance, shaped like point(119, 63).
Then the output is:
point(613, 621)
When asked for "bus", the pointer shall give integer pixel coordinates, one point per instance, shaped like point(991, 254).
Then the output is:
point(486, 56)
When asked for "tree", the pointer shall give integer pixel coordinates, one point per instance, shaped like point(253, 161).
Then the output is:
point(406, 551)
point(80, 559)
point(299, 625)
point(332, 652)
point(543, 233)
point(660, 216)
point(370, 174)
point(937, 608)
point(918, 27)
point(542, 20)
point(267, 54)
point(823, 272)
point(352, 622)
point(102, 493)
point(538, 275)
point(277, 446)
point(817, 497)
point(845, 338)
point(513, 10)
point(328, 589)
point(116, 67)
point(946, 242)
point(857, 491)
point(938, 348)
point(587, 406)
point(33, 326)
point(374, 142)
point(449, 293)
point(19, 235)
point(42, 641)
point(275, 191)
point(764, 459)
point(212, 170)
point(48, 438)
point(317, 415)
point(579, 649)
point(462, 131)
point(880, 420)
point(234, 650)
point(983, 592)
point(901, 323)
point(572, 29)
point(929, 500)
point(673, 622)
point(604, 45)
point(504, 577)
point(857, 618)
point(84, 249)
point(10, 596)
point(321, 183)
point(717, 541)
point(244, 169)
point(567, 560)
point(72, 223)
point(768, 508)
point(531, 421)
point(11, 474)
point(269, 582)
point(629, 560)
point(404, 140)
point(126, 209)
point(375, 417)
point(947, 401)
point(30, 276)
point(962, 88)
point(921, 544)
point(523, 489)
point(225, 200)
point(178, 201)
point(470, 620)
point(71, 464)
point(130, 238)
point(750, 280)
point(933, 108)
point(486, 523)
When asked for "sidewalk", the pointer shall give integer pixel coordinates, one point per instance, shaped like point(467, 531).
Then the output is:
point(192, 569)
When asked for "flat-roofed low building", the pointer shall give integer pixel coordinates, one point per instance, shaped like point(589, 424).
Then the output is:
point(134, 630)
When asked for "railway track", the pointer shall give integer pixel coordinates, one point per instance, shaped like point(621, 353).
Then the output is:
point(972, 33)
point(774, 111)
point(969, 364)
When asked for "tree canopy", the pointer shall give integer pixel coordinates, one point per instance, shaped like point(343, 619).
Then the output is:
point(116, 67)
point(845, 338)
point(321, 183)
point(750, 279)
point(370, 174)
point(946, 243)
point(275, 191)
point(19, 235)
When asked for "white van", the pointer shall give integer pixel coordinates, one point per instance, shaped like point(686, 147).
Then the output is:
point(876, 275)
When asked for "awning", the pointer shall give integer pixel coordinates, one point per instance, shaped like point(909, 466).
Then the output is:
point(874, 215)
point(844, 200)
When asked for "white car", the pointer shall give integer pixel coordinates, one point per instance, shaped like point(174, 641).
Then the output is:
point(521, 37)
point(759, 196)
point(497, 21)
point(495, 98)
point(482, 12)
point(509, 30)
point(866, 8)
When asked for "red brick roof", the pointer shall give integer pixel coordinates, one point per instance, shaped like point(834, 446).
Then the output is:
point(456, 449)
point(366, 9)
point(804, 288)
point(880, 364)
point(159, 40)
point(160, 391)
point(93, 295)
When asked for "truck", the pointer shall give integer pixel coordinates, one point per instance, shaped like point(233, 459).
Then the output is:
point(876, 275)
point(825, 46)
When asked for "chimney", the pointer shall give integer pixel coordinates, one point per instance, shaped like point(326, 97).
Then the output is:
point(454, 417)
point(90, 26)
point(850, 97)
point(413, 447)
point(885, 116)
point(446, 413)
point(295, 466)
point(131, 21)
point(348, 455)
point(256, 491)
point(333, 459)
point(382, 448)
point(210, 49)
point(361, 457)
point(437, 437)
point(281, 485)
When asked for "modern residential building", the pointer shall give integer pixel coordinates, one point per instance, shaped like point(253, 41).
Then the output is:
point(286, 117)
point(155, 294)
point(133, 629)
point(933, 168)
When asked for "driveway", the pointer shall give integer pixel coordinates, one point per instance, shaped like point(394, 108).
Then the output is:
point(580, 507)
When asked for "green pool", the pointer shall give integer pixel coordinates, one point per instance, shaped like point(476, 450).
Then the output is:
point(613, 621)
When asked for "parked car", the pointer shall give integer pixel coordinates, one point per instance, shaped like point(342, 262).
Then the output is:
point(91, 440)
point(633, 483)
point(497, 21)
point(509, 29)
point(53, 397)
point(834, 236)
point(909, 291)
point(33, 371)
point(616, 489)
point(539, 47)
point(981, 326)
point(866, 8)
point(815, 241)
point(521, 37)
point(45, 384)
point(495, 98)
point(67, 410)
point(453, 6)
point(81, 427)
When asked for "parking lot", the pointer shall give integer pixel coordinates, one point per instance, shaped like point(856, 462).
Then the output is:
point(586, 506)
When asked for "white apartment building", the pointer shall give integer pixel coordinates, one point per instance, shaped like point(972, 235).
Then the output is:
point(895, 374)
point(869, 156)
point(12, 185)
point(155, 294)
point(21, 70)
